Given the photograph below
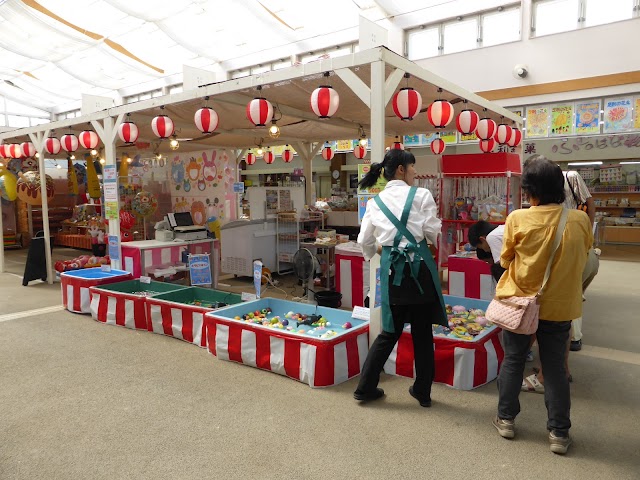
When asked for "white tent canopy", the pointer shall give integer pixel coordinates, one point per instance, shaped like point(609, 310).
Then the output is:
point(365, 81)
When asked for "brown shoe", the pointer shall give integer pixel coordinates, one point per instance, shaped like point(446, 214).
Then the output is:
point(506, 428)
point(559, 444)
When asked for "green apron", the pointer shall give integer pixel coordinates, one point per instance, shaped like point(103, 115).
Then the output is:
point(396, 257)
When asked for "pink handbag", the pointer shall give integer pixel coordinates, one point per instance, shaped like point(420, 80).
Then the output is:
point(520, 314)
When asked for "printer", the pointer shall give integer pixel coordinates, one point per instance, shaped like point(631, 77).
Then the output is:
point(183, 228)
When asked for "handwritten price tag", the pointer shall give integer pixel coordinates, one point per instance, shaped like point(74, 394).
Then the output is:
point(144, 279)
point(361, 313)
point(248, 297)
point(105, 268)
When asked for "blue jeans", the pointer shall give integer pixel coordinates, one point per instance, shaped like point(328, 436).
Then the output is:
point(552, 342)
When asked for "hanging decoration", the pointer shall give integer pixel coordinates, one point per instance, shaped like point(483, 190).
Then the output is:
point(407, 102)
point(325, 100)
point(503, 134)
point(123, 171)
point(327, 152)
point(515, 138)
point(487, 145)
point(269, 157)
point(287, 154)
point(28, 188)
point(52, 146)
point(440, 113)
point(251, 158)
point(3, 150)
point(397, 144)
point(360, 151)
point(438, 146)
point(72, 178)
point(144, 203)
point(128, 131)
point(88, 139)
point(93, 184)
point(69, 142)
point(206, 119)
point(8, 185)
point(28, 149)
point(467, 122)
point(486, 129)
point(259, 110)
point(162, 126)
point(15, 150)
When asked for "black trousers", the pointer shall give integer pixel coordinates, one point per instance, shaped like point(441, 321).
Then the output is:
point(420, 317)
point(552, 342)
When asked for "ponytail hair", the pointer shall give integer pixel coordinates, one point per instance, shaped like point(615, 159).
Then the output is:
point(392, 160)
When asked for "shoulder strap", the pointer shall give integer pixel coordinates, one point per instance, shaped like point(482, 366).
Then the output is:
point(573, 192)
point(556, 243)
point(401, 226)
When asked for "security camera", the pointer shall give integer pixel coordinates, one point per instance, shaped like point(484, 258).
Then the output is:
point(520, 71)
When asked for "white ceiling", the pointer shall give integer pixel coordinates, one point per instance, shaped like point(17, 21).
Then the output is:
point(52, 51)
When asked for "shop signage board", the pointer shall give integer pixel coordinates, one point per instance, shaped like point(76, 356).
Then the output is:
point(111, 210)
point(200, 269)
point(110, 192)
point(238, 187)
point(363, 169)
point(109, 173)
point(114, 247)
point(362, 206)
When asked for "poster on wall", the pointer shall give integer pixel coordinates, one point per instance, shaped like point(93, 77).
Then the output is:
point(587, 118)
point(537, 121)
point(618, 116)
point(611, 174)
point(468, 137)
point(561, 119)
point(285, 200)
point(636, 109)
point(412, 140)
point(587, 174)
point(449, 137)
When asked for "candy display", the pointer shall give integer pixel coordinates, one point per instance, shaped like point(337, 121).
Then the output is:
point(318, 323)
point(464, 324)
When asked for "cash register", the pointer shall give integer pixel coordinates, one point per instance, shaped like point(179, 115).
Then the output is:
point(183, 228)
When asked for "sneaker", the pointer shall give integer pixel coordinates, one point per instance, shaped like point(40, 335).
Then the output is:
point(576, 345)
point(364, 396)
point(530, 356)
point(424, 402)
point(506, 428)
point(559, 444)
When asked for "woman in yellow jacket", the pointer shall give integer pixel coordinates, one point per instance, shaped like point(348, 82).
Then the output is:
point(528, 239)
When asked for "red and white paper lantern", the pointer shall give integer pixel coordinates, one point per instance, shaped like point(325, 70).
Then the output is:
point(503, 134)
point(89, 139)
point(259, 111)
point(360, 152)
point(3, 152)
point(162, 126)
point(398, 145)
point(487, 145)
point(467, 122)
point(128, 132)
point(324, 101)
point(486, 129)
point(287, 155)
point(327, 153)
point(269, 157)
point(440, 113)
point(206, 120)
point(251, 158)
point(14, 150)
point(437, 146)
point(28, 149)
point(407, 103)
point(69, 142)
point(52, 146)
point(515, 138)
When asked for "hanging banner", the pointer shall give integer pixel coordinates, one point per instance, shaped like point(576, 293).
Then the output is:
point(200, 269)
point(72, 178)
point(618, 116)
point(93, 184)
point(537, 121)
point(123, 173)
point(561, 119)
point(257, 276)
point(362, 206)
point(587, 118)
point(363, 169)
point(344, 145)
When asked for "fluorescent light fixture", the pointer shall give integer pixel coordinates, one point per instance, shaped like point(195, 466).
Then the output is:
point(636, 162)
point(580, 164)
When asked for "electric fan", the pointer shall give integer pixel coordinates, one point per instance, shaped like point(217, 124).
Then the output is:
point(305, 265)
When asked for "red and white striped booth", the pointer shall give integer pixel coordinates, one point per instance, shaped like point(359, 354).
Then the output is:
point(76, 296)
point(470, 278)
point(126, 310)
point(352, 274)
point(311, 360)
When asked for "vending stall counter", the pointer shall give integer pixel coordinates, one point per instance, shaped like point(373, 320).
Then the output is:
point(124, 303)
point(470, 277)
point(319, 346)
point(180, 313)
point(76, 296)
point(468, 353)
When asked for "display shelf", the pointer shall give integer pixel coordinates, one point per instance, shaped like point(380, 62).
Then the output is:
point(291, 230)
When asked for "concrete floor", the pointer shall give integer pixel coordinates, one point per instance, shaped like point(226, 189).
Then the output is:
point(82, 400)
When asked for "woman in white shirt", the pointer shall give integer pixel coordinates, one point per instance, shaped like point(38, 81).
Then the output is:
point(397, 224)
